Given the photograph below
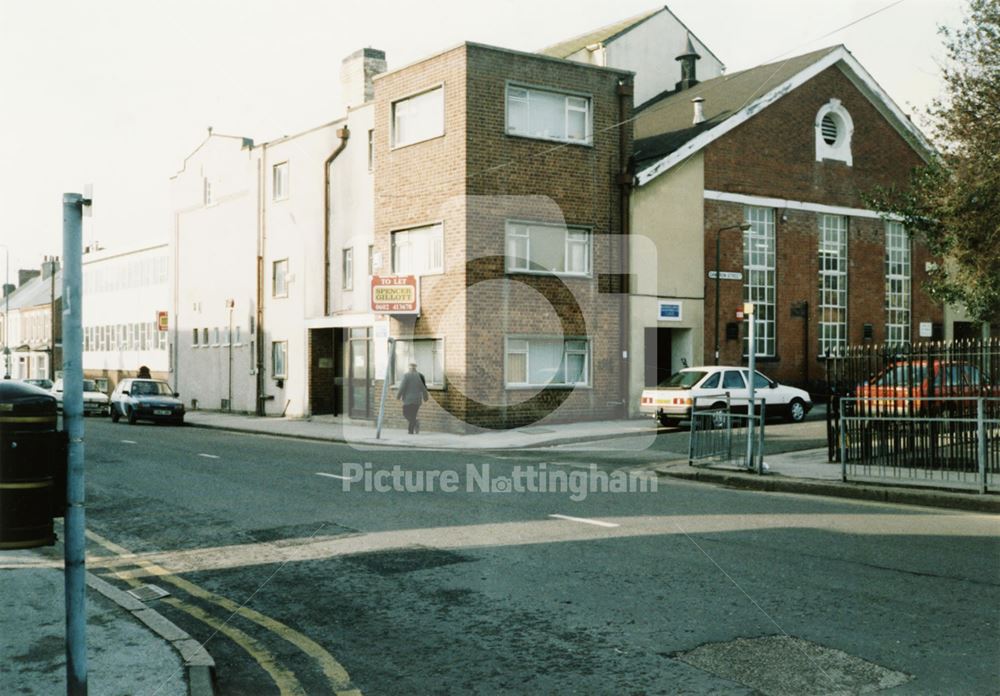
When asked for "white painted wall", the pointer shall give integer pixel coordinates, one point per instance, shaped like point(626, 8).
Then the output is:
point(667, 262)
point(651, 49)
point(122, 288)
point(215, 260)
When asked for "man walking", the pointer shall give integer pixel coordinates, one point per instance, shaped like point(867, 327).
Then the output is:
point(412, 392)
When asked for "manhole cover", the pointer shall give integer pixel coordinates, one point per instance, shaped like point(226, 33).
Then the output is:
point(782, 665)
point(393, 562)
point(147, 593)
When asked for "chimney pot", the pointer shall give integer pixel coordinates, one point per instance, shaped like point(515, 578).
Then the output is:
point(699, 110)
point(356, 74)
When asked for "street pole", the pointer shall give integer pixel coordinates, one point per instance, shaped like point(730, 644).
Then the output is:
point(6, 314)
point(385, 386)
point(748, 310)
point(718, 232)
point(74, 559)
point(717, 235)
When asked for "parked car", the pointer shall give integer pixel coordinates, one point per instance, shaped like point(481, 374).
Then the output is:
point(45, 384)
point(146, 399)
point(95, 402)
point(926, 386)
point(706, 387)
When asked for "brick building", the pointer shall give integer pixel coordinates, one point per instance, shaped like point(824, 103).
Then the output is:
point(497, 183)
point(789, 151)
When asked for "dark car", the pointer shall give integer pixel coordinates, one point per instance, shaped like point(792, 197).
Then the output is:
point(146, 399)
point(45, 384)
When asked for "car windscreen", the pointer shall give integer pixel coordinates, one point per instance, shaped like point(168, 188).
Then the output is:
point(151, 389)
point(683, 380)
point(90, 385)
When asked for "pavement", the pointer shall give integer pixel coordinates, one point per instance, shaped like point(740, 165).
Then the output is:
point(131, 649)
point(134, 650)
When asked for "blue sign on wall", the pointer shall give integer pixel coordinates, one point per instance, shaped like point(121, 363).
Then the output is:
point(669, 311)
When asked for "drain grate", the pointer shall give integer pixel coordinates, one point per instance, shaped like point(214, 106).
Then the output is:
point(147, 593)
point(787, 666)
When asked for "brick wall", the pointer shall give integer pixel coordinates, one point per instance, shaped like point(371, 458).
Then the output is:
point(473, 179)
point(773, 155)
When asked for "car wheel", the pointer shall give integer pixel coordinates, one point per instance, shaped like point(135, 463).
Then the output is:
point(131, 416)
point(668, 422)
point(796, 411)
point(115, 416)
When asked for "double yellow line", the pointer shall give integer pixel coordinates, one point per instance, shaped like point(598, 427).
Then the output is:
point(286, 681)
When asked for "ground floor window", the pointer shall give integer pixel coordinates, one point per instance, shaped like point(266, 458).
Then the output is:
point(279, 359)
point(428, 353)
point(540, 362)
point(758, 278)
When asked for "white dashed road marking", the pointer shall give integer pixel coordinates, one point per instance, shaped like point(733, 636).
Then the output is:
point(130, 442)
point(599, 523)
point(336, 476)
point(208, 456)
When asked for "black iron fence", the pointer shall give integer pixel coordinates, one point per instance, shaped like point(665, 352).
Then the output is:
point(918, 403)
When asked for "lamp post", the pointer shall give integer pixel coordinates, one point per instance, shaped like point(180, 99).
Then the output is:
point(743, 227)
point(6, 313)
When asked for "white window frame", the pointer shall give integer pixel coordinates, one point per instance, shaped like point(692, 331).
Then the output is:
point(520, 345)
point(759, 286)
point(403, 354)
point(206, 191)
point(282, 289)
point(840, 148)
point(371, 150)
point(280, 181)
point(279, 359)
point(410, 107)
point(347, 268)
point(832, 258)
point(898, 284)
point(408, 240)
point(575, 102)
point(518, 240)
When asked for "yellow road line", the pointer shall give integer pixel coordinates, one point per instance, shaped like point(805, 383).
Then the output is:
point(335, 673)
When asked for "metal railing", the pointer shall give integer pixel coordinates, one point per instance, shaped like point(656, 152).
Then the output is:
point(950, 442)
point(932, 369)
point(719, 436)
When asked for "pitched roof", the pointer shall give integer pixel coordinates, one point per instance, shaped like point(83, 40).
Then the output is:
point(665, 133)
point(34, 293)
point(604, 34)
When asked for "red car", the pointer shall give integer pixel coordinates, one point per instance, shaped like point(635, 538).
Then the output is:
point(922, 386)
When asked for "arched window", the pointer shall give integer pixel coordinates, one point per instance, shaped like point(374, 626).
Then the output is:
point(834, 129)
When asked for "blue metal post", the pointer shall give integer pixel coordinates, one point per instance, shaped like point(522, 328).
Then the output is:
point(75, 568)
point(748, 309)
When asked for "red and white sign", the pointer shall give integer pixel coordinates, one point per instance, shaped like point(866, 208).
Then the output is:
point(161, 321)
point(396, 294)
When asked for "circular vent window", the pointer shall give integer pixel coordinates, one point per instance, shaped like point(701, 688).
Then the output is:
point(830, 129)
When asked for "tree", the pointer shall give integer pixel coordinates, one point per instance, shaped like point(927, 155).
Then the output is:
point(953, 203)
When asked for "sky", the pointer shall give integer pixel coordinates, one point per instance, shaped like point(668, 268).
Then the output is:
point(115, 93)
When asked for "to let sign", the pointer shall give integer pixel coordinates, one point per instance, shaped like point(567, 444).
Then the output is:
point(395, 295)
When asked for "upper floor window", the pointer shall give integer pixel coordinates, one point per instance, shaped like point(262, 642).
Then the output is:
point(537, 113)
point(419, 251)
point(371, 150)
point(897, 284)
point(834, 129)
point(279, 279)
point(347, 269)
point(538, 248)
point(417, 118)
point(279, 181)
point(206, 191)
